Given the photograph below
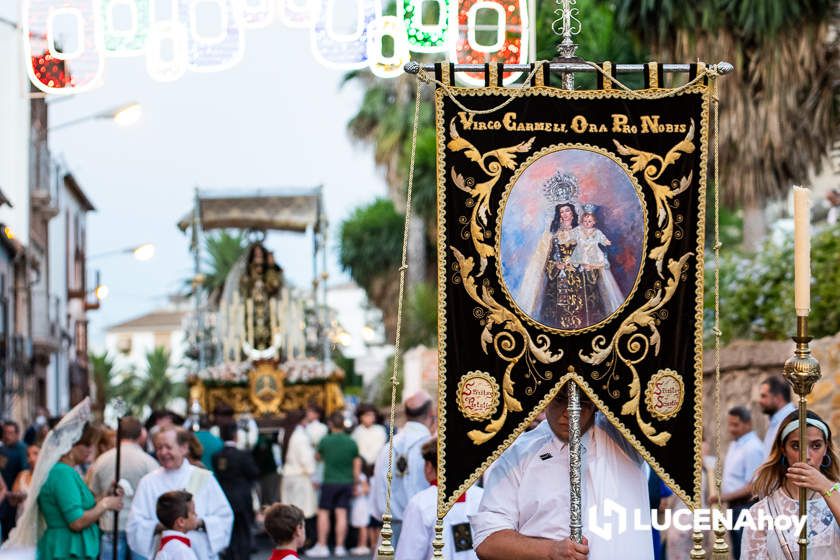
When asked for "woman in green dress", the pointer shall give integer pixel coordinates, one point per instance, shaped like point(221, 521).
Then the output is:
point(69, 509)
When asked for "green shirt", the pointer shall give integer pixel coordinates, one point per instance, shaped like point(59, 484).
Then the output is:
point(337, 451)
point(63, 499)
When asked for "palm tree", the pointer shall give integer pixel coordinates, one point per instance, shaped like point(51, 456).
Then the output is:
point(156, 388)
point(221, 249)
point(778, 111)
point(102, 369)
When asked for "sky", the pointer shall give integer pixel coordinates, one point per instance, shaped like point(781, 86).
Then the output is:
point(277, 119)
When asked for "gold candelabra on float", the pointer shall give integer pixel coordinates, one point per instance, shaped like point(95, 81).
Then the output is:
point(802, 370)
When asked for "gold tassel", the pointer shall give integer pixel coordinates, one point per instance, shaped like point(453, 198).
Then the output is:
point(697, 551)
point(386, 548)
point(720, 550)
point(437, 544)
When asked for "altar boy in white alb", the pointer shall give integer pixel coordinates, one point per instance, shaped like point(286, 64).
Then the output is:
point(215, 517)
point(176, 512)
point(421, 514)
point(524, 513)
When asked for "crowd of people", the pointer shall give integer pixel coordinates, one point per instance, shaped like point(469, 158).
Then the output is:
point(320, 488)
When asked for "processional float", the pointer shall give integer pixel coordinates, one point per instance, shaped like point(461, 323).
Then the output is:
point(261, 345)
point(624, 326)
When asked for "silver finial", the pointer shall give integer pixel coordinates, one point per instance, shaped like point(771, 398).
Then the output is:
point(120, 407)
point(567, 25)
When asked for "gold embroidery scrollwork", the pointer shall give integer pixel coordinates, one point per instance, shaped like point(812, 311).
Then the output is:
point(511, 344)
point(631, 346)
point(654, 166)
point(492, 163)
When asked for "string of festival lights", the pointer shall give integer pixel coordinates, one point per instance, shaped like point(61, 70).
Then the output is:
point(172, 42)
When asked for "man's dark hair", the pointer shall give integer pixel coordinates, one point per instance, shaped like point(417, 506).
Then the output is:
point(316, 409)
point(429, 452)
point(171, 506)
point(13, 424)
point(419, 412)
point(228, 431)
point(130, 427)
point(281, 522)
point(741, 412)
point(336, 420)
point(778, 385)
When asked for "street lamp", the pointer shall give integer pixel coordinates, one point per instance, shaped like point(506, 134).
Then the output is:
point(124, 115)
point(144, 252)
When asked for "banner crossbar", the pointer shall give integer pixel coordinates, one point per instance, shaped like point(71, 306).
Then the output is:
point(722, 67)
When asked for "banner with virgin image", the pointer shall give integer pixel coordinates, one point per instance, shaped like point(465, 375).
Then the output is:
point(570, 248)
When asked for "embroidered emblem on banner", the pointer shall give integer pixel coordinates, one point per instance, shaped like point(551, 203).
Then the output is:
point(664, 394)
point(478, 395)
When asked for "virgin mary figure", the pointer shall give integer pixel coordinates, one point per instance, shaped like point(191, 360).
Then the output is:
point(552, 289)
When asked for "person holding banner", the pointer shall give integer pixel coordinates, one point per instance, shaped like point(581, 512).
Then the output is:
point(777, 484)
point(525, 511)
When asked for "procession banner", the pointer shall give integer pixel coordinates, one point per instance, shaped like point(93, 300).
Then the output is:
point(570, 247)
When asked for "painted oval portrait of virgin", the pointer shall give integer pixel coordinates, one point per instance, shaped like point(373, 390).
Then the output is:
point(572, 238)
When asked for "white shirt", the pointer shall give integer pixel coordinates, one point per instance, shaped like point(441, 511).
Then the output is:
point(418, 530)
point(528, 491)
point(773, 427)
point(743, 458)
point(370, 441)
point(211, 506)
point(316, 430)
point(823, 531)
point(407, 444)
point(175, 549)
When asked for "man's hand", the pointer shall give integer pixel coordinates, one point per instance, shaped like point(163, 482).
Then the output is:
point(568, 549)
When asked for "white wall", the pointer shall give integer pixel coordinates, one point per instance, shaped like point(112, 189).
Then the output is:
point(14, 133)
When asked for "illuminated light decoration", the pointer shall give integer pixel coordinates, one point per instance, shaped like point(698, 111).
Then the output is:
point(257, 14)
point(130, 41)
point(298, 13)
point(220, 51)
point(345, 51)
point(50, 69)
point(381, 65)
point(510, 47)
point(163, 34)
point(427, 38)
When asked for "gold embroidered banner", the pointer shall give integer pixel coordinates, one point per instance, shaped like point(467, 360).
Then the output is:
point(570, 246)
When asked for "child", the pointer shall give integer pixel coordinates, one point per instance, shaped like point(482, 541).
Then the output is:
point(360, 516)
point(592, 260)
point(284, 524)
point(176, 512)
point(588, 252)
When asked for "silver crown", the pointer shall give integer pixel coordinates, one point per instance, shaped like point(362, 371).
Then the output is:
point(589, 208)
point(562, 187)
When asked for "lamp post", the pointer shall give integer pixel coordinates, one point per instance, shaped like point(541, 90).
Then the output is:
point(143, 252)
point(124, 115)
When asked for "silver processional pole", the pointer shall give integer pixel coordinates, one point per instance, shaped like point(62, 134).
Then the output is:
point(569, 26)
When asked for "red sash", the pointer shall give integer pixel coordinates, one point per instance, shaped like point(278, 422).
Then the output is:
point(168, 538)
point(280, 554)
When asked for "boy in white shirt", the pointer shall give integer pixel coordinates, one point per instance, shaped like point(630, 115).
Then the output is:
point(176, 513)
point(285, 525)
point(421, 514)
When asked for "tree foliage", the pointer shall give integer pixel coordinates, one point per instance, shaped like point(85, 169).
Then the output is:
point(756, 291)
point(778, 110)
point(370, 249)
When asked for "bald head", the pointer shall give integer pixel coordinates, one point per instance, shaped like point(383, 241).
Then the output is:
point(419, 407)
